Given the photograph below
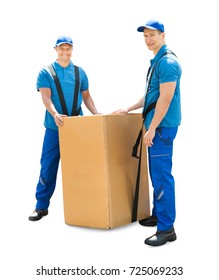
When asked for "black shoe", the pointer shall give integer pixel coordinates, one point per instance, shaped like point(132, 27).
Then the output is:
point(149, 222)
point(38, 214)
point(161, 237)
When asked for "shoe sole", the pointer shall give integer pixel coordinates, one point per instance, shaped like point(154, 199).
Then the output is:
point(149, 225)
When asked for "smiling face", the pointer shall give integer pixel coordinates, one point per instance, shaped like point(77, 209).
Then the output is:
point(154, 39)
point(64, 53)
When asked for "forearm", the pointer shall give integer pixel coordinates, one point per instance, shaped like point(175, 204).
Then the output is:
point(160, 112)
point(136, 106)
point(47, 101)
point(162, 106)
point(49, 106)
point(89, 103)
point(163, 103)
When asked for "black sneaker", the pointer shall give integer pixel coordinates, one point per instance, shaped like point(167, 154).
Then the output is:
point(38, 214)
point(161, 237)
point(149, 222)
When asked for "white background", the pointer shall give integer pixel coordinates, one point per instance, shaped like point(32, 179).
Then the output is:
point(115, 58)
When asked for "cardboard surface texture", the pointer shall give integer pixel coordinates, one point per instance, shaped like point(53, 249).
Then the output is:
point(99, 172)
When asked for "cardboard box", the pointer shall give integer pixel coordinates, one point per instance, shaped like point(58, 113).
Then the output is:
point(99, 172)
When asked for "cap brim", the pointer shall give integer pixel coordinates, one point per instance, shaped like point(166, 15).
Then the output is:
point(141, 28)
point(64, 43)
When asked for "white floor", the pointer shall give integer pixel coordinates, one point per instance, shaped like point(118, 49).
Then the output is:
point(27, 246)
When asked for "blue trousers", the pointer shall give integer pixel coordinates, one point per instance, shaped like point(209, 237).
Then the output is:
point(160, 168)
point(49, 167)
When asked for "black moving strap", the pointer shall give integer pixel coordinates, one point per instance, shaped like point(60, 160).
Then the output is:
point(59, 89)
point(135, 148)
point(74, 112)
point(75, 102)
point(139, 141)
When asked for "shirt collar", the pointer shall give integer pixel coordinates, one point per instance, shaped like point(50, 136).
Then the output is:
point(58, 66)
point(161, 51)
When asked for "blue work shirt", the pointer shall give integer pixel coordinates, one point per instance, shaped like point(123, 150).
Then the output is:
point(167, 69)
point(66, 77)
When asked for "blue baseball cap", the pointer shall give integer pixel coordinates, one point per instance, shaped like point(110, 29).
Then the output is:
point(152, 24)
point(63, 40)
